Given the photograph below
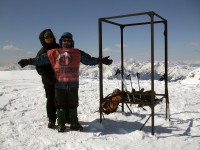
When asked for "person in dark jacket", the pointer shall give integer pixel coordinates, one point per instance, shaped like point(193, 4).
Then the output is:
point(48, 41)
point(66, 63)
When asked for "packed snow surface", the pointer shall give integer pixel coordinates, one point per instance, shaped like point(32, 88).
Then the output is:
point(23, 120)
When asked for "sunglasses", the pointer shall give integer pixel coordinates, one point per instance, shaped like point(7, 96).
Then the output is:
point(48, 37)
point(68, 40)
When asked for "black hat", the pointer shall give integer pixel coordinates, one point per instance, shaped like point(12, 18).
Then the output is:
point(67, 35)
point(48, 33)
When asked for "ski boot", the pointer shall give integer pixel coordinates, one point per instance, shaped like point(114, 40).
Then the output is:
point(61, 120)
point(61, 128)
point(75, 125)
point(51, 123)
point(67, 118)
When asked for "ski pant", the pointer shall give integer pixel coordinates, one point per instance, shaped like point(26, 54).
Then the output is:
point(66, 98)
point(50, 104)
point(66, 104)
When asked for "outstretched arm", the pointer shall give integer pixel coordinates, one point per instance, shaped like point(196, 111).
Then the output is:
point(42, 60)
point(86, 59)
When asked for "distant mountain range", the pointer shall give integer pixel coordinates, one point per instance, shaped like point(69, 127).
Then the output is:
point(176, 70)
point(14, 66)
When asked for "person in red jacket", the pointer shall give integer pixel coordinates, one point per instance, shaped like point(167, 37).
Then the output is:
point(66, 62)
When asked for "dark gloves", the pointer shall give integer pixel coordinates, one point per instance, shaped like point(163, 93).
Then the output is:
point(106, 60)
point(24, 62)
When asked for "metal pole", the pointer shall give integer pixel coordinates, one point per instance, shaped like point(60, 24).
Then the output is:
point(166, 71)
point(122, 61)
point(100, 68)
point(152, 73)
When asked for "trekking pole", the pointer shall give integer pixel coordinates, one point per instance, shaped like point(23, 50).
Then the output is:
point(122, 78)
point(138, 77)
point(129, 77)
point(133, 90)
point(117, 72)
point(124, 83)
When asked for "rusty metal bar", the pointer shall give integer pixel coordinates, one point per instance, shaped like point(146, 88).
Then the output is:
point(145, 121)
point(166, 71)
point(128, 15)
point(143, 23)
point(100, 68)
point(114, 23)
point(159, 16)
point(152, 73)
point(122, 60)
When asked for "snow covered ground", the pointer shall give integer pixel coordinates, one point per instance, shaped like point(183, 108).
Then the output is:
point(23, 121)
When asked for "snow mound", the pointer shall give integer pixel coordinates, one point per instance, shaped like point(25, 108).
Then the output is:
point(193, 77)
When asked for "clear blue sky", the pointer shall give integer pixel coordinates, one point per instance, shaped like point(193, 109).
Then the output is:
point(23, 20)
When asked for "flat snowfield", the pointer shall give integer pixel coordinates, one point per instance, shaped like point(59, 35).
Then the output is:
point(23, 119)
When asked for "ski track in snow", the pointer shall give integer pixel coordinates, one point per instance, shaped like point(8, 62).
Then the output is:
point(23, 121)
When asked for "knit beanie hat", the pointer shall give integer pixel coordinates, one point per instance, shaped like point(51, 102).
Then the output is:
point(69, 36)
point(48, 33)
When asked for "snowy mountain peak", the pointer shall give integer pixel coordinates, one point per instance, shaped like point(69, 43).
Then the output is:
point(176, 70)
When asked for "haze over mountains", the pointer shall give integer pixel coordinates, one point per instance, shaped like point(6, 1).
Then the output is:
point(176, 70)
